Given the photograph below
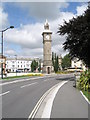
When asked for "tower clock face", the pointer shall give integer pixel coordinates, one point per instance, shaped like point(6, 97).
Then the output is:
point(47, 37)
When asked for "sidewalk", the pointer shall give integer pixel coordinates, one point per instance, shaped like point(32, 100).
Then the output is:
point(69, 103)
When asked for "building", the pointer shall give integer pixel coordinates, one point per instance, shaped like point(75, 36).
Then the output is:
point(2, 60)
point(18, 64)
point(47, 54)
point(77, 64)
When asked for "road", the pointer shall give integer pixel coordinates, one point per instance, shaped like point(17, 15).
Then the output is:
point(20, 98)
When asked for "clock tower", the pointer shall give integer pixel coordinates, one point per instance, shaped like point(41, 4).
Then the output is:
point(47, 54)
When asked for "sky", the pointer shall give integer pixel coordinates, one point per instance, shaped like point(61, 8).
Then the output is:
point(28, 19)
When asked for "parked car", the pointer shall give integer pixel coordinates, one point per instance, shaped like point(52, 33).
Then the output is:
point(18, 71)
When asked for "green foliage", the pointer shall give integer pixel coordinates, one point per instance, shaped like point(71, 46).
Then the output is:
point(34, 65)
point(84, 81)
point(66, 61)
point(22, 76)
point(55, 62)
point(78, 36)
point(39, 69)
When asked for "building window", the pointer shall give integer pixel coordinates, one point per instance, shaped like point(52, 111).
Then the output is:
point(21, 65)
point(13, 66)
point(18, 65)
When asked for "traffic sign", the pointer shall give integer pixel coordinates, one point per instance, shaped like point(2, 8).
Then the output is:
point(2, 60)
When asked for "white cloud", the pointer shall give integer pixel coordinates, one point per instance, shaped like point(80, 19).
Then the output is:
point(10, 52)
point(45, 1)
point(43, 10)
point(29, 37)
point(3, 18)
point(81, 9)
point(33, 53)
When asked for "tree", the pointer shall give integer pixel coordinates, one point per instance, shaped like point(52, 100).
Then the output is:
point(66, 61)
point(34, 65)
point(39, 69)
point(53, 58)
point(78, 36)
point(39, 66)
point(55, 62)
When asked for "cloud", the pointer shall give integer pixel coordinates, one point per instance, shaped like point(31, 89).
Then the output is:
point(29, 37)
point(10, 52)
point(3, 18)
point(33, 53)
point(42, 10)
point(46, 1)
point(81, 9)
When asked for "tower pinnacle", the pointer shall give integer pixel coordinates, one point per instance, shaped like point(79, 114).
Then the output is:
point(46, 25)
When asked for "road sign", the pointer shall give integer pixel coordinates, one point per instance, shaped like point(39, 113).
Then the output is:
point(2, 60)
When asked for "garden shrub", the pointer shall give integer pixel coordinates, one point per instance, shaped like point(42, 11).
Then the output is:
point(84, 81)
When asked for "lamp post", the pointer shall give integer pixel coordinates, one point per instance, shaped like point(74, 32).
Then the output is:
point(2, 49)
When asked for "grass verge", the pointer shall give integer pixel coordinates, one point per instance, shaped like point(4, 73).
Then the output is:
point(87, 94)
point(22, 76)
point(63, 72)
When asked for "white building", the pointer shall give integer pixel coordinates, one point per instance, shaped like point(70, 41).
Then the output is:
point(18, 64)
point(77, 64)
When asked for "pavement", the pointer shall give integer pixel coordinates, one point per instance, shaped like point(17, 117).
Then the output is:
point(69, 103)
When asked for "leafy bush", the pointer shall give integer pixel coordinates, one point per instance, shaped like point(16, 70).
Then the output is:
point(84, 81)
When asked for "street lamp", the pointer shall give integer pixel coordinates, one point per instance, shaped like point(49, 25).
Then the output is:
point(11, 27)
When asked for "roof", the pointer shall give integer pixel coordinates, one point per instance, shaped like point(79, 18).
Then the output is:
point(47, 31)
point(46, 23)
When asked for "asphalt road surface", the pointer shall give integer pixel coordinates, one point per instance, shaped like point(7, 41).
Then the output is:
point(20, 98)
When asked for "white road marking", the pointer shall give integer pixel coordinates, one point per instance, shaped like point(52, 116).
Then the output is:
point(4, 93)
point(28, 85)
point(6, 83)
point(46, 80)
point(84, 97)
point(49, 103)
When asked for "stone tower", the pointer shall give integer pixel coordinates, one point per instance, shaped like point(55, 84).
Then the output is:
point(47, 54)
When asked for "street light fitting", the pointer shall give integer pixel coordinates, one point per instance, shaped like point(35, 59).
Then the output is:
point(11, 27)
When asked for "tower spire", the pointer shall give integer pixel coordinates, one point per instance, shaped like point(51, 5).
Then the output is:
point(46, 25)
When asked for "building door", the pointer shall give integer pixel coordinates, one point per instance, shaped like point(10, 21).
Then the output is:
point(48, 70)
